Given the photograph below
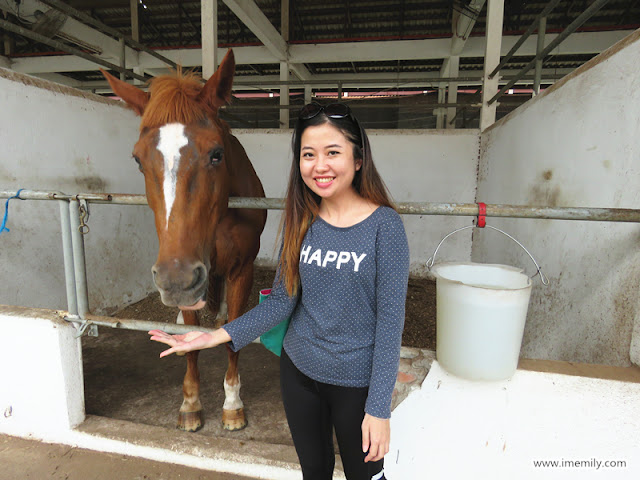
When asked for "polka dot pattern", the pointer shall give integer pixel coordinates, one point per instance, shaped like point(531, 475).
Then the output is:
point(346, 324)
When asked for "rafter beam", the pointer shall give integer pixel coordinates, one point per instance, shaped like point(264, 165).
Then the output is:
point(576, 44)
point(108, 47)
point(251, 15)
point(372, 81)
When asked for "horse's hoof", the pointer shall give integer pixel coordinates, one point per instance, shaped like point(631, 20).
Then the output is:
point(190, 421)
point(233, 419)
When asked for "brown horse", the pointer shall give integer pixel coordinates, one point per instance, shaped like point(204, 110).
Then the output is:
point(192, 165)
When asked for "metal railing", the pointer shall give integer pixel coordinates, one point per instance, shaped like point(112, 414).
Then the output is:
point(74, 211)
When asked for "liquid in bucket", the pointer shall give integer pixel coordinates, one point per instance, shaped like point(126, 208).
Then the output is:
point(481, 314)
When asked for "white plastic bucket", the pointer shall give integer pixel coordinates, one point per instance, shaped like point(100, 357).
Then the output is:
point(481, 313)
point(481, 310)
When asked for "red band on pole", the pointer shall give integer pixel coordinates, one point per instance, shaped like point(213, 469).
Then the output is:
point(482, 215)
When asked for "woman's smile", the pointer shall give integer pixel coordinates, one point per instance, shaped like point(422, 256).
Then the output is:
point(324, 182)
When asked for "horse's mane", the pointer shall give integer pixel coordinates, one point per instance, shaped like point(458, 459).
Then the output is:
point(173, 99)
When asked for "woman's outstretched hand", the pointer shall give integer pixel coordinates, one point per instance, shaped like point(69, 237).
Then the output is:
point(190, 341)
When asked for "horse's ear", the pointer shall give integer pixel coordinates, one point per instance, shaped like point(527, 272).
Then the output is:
point(133, 96)
point(217, 91)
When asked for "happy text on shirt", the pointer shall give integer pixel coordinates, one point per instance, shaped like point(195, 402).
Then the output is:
point(330, 257)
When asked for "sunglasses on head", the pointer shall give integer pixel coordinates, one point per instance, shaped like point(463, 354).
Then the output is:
point(332, 110)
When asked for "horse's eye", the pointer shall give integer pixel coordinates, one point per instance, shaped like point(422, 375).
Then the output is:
point(137, 160)
point(215, 155)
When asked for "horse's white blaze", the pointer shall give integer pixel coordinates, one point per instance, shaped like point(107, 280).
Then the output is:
point(180, 319)
point(172, 139)
point(232, 396)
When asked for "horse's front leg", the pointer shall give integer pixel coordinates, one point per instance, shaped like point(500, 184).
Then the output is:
point(190, 416)
point(238, 289)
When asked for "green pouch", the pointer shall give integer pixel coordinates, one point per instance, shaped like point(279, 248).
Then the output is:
point(272, 340)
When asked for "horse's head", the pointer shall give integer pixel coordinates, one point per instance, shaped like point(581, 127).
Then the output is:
point(181, 152)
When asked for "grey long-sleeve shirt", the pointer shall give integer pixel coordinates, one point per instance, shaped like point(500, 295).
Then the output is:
point(347, 320)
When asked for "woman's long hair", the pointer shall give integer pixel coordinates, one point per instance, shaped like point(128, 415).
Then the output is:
point(302, 204)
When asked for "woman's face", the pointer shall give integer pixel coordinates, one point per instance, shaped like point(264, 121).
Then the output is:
point(327, 165)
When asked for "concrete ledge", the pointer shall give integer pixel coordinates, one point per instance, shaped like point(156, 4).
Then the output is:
point(604, 372)
point(250, 458)
point(456, 428)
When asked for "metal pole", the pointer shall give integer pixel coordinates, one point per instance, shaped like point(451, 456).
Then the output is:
point(67, 250)
point(80, 269)
point(353, 104)
point(139, 325)
point(65, 48)
point(452, 94)
point(405, 208)
point(135, 22)
point(577, 23)
point(89, 20)
point(209, 36)
point(394, 81)
point(495, 15)
point(307, 94)
point(525, 35)
point(123, 59)
point(284, 96)
point(439, 111)
point(539, 47)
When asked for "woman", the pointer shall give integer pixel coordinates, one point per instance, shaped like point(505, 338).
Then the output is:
point(342, 278)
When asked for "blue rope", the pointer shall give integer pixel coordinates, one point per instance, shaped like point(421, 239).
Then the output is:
point(3, 227)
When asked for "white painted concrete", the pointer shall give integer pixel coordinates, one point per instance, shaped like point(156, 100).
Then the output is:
point(58, 139)
point(575, 145)
point(454, 428)
point(42, 389)
point(449, 428)
point(417, 166)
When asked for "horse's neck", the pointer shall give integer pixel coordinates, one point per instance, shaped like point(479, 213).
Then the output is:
point(244, 180)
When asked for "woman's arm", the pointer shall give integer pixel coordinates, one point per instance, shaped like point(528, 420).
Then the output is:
point(190, 341)
point(277, 307)
point(392, 267)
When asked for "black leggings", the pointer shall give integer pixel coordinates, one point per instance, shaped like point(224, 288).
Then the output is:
point(313, 410)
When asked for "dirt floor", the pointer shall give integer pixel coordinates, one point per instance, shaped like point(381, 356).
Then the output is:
point(420, 318)
point(125, 379)
point(23, 459)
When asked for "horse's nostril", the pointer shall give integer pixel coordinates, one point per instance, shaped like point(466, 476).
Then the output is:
point(199, 275)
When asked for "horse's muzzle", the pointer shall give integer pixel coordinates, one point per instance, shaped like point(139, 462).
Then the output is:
point(180, 284)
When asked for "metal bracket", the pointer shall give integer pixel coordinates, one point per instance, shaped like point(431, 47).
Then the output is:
point(82, 326)
point(87, 327)
point(84, 216)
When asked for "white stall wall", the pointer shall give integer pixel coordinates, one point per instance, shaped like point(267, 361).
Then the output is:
point(575, 145)
point(416, 165)
point(56, 138)
point(59, 139)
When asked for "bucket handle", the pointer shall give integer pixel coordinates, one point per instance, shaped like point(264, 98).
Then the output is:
point(432, 259)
